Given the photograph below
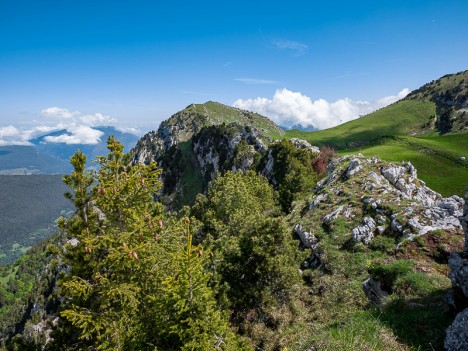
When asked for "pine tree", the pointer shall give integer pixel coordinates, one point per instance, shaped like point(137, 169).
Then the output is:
point(192, 319)
point(119, 232)
point(136, 282)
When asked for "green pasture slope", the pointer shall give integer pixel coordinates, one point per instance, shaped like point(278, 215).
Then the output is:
point(402, 118)
point(386, 134)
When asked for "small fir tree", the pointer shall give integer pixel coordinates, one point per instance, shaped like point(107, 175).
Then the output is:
point(130, 285)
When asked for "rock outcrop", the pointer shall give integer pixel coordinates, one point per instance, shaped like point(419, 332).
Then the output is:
point(389, 197)
point(228, 148)
point(365, 232)
point(367, 198)
point(374, 291)
point(457, 334)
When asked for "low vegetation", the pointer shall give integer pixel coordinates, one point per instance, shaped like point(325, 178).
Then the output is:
point(228, 271)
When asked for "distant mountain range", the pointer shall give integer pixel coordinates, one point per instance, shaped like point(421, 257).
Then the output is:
point(298, 127)
point(44, 157)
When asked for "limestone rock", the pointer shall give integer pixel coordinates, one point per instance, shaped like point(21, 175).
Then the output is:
point(303, 144)
point(458, 263)
point(353, 167)
point(365, 232)
point(317, 201)
point(374, 291)
point(333, 215)
point(464, 219)
point(457, 334)
point(308, 239)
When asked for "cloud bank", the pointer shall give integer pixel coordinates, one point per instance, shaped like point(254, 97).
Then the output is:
point(78, 126)
point(287, 108)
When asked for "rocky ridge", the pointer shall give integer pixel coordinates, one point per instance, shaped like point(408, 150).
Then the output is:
point(384, 198)
point(228, 148)
point(378, 199)
point(457, 333)
point(201, 140)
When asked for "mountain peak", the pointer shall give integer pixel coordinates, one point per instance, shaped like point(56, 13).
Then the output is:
point(184, 124)
point(450, 96)
point(451, 89)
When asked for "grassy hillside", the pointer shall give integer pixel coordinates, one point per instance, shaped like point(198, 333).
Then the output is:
point(450, 94)
point(437, 159)
point(403, 117)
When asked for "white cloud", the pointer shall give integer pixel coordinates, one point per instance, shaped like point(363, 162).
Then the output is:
point(288, 108)
point(298, 48)
point(78, 126)
point(10, 135)
point(8, 131)
point(58, 112)
point(391, 99)
point(77, 135)
point(98, 119)
point(253, 81)
point(130, 130)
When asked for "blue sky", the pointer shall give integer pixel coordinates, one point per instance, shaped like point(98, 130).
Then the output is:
point(138, 62)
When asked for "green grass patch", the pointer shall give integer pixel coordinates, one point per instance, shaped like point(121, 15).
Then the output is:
point(420, 322)
point(403, 117)
point(361, 331)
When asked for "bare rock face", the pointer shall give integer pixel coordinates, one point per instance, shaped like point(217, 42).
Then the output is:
point(365, 232)
point(308, 239)
point(457, 334)
point(233, 148)
point(353, 168)
point(303, 144)
point(464, 219)
point(458, 263)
